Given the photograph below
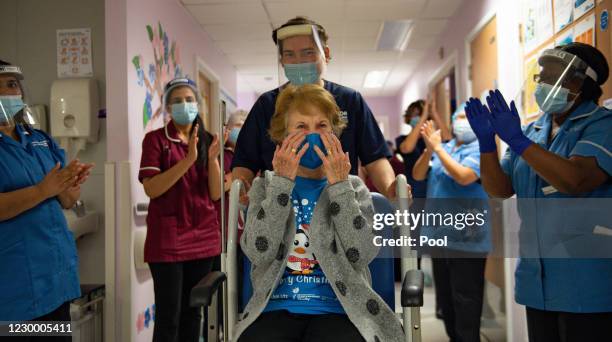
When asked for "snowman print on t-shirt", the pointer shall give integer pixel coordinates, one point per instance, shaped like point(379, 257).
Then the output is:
point(301, 260)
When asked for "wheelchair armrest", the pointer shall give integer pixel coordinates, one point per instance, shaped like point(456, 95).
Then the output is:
point(202, 293)
point(412, 289)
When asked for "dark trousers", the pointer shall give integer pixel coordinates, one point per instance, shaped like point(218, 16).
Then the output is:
point(175, 320)
point(459, 284)
point(283, 326)
point(62, 313)
point(553, 326)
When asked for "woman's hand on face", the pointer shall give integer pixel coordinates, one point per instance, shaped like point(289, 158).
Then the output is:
point(432, 137)
point(58, 180)
point(287, 156)
point(192, 154)
point(336, 163)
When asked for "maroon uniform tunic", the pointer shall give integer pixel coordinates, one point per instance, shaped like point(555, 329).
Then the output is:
point(182, 224)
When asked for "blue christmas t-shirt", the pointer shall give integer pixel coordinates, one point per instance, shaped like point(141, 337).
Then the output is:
point(304, 288)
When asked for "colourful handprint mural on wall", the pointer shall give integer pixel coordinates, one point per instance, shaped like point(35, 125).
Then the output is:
point(165, 67)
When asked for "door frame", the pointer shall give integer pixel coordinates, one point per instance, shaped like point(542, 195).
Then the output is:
point(202, 67)
point(468, 51)
point(443, 70)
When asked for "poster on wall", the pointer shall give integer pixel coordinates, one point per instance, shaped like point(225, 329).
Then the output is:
point(530, 107)
point(584, 31)
point(564, 13)
point(74, 53)
point(581, 7)
point(152, 76)
point(537, 21)
point(531, 110)
point(565, 38)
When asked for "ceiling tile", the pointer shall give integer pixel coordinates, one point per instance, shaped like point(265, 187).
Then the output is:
point(398, 78)
point(208, 2)
point(413, 56)
point(241, 29)
point(238, 32)
point(421, 42)
point(258, 69)
point(251, 58)
point(441, 8)
point(373, 56)
point(429, 27)
point(246, 46)
point(357, 29)
point(384, 10)
point(227, 13)
point(321, 11)
point(353, 77)
point(365, 44)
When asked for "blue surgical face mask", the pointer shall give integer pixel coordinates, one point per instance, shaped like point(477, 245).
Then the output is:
point(556, 103)
point(300, 74)
point(11, 105)
point(233, 135)
point(311, 159)
point(463, 132)
point(414, 121)
point(184, 113)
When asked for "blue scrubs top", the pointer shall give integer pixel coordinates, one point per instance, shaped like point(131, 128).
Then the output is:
point(38, 257)
point(361, 137)
point(562, 284)
point(471, 198)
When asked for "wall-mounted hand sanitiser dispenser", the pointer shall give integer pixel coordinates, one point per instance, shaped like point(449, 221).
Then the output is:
point(73, 114)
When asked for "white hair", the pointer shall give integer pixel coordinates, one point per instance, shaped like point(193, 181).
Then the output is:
point(238, 116)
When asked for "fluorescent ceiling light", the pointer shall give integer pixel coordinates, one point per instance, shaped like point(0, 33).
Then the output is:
point(394, 35)
point(375, 79)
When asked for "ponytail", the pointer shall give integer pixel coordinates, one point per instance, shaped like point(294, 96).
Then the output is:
point(204, 141)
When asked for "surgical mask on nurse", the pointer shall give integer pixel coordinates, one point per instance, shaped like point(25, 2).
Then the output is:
point(551, 101)
point(462, 130)
point(11, 104)
point(185, 112)
point(414, 121)
point(300, 74)
point(233, 135)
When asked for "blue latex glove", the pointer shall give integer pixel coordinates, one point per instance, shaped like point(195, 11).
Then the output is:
point(507, 123)
point(478, 117)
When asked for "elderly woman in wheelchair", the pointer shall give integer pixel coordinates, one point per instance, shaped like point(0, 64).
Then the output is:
point(309, 235)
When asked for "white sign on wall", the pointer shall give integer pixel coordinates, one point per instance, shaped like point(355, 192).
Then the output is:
point(74, 53)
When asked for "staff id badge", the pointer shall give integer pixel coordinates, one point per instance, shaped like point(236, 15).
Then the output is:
point(547, 190)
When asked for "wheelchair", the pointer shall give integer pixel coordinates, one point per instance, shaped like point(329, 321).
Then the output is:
point(226, 282)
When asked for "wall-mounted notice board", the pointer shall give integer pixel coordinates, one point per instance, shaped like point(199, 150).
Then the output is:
point(549, 23)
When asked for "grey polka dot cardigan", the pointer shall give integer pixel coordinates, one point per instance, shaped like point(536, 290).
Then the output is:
point(341, 238)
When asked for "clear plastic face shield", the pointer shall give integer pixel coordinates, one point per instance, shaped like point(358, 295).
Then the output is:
point(301, 55)
point(553, 85)
point(13, 109)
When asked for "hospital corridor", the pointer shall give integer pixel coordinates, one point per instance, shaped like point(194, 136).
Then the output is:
point(305, 170)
